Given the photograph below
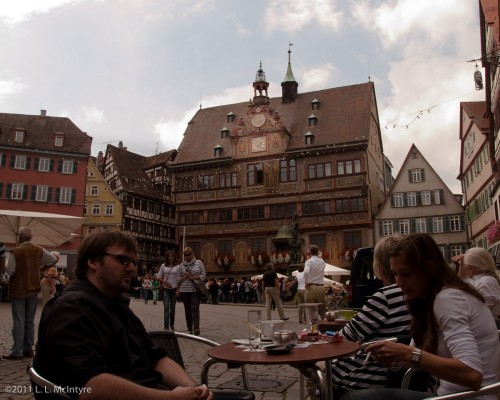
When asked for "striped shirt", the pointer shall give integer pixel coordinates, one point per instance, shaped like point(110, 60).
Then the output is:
point(383, 316)
point(194, 267)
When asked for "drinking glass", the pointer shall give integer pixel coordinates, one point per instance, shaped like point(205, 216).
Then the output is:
point(254, 329)
point(312, 321)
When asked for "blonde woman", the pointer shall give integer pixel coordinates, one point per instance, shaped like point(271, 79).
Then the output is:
point(477, 267)
point(48, 282)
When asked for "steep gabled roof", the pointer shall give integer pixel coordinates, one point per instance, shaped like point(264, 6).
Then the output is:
point(344, 116)
point(40, 133)
point(160, 159)
point(403, 175)
point(130, 168)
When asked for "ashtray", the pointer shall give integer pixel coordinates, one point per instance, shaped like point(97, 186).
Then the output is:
point(278, 348)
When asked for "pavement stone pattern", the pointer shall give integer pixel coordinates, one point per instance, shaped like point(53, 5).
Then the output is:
point(221, 323)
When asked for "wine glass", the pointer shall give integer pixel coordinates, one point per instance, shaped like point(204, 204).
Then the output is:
point(254, 329)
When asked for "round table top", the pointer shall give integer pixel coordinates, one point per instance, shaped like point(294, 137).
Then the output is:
point(231, 353)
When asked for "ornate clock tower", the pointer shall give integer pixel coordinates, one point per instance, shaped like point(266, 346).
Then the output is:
point(260, 86)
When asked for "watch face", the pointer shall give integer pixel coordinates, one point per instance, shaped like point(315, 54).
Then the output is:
point(258, 144)
point(258, 120)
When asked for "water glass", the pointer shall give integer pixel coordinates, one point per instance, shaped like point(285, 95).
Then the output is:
point(254, 329)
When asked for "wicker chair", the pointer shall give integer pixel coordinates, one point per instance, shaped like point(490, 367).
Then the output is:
point(168, 340)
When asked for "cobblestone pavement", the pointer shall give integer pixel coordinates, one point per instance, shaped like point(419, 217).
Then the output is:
point(218, 322)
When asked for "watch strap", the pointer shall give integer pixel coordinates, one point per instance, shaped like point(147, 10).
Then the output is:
point(415, 357)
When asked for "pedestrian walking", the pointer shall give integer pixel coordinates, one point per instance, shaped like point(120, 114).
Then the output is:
point(25, 263)
point(190, 271)
point(270, 284)
point(314, 274)
point(168, 277)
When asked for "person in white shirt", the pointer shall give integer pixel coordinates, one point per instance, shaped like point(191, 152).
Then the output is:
point(301, 291)
point(477, 268)
point(314, 275)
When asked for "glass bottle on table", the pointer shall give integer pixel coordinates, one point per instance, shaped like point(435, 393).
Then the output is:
point(254, 330)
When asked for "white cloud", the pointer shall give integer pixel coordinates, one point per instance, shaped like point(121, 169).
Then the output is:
point(93, 114)
point(16, 11)
point(319, 77)
point(8, 88)
point(293, 15)
point(400, 20)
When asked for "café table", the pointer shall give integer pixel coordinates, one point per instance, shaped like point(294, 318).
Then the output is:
point(300, 358)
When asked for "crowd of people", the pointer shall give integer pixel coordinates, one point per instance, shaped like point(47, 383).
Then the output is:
point(445, 320)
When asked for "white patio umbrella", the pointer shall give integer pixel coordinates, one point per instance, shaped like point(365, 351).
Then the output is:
point(333, 270)
point(48, 229)
point(261, 275)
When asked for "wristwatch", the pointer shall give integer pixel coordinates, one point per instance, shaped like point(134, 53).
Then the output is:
point(415, 357)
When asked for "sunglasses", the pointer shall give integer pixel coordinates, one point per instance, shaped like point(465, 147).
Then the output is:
point(188, 254)
point(123, 259)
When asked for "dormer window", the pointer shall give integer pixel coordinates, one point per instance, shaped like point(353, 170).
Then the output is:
point(19, 136)
point(224, 133)
point(230, 117)
point(313, 120)
point(309, 138)
point(218, 150)
point(59, 140)
point(315, 105)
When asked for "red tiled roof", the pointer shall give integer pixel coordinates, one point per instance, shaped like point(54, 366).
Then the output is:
point(344, 116)
point(40, 131)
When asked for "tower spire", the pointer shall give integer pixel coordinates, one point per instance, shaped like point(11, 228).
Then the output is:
point(260, 87)
point(289, 85)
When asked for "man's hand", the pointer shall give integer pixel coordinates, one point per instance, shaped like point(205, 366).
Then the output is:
point(193, 393)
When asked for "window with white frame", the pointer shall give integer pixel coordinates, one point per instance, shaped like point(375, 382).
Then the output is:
point(455, 250)
point(420, 225)
point(411, 198)
point(67, 167)
point(20, 162)
point(17, 191)
point(19, 137)
point(437, 224)
point(42, 193)
point(455, 224)
point(437, 196)
point(96, 208)
point(404, 226)
point(425, 197)
point(416, 175)
point(110, 209)
point(59, 140)
point(85, 209)
point(398, 199)
point(65, 195)
point(387, 228)
point(94, 190)
point(44, 164)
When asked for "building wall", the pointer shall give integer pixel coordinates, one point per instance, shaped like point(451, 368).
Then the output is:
point(99, 194)
point(424, 205)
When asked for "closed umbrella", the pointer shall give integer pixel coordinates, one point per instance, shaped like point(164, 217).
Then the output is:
point(48, 229)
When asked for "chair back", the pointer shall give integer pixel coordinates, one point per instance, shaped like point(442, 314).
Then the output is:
point(43, 388)
point(167, 340)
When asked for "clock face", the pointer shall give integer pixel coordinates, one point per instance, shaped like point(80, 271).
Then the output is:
point(258, 144)
point(258, 120)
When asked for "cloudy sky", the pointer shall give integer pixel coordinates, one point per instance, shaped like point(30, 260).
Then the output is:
point(137, 70)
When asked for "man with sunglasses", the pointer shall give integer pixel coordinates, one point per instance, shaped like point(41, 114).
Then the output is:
point(91, 343)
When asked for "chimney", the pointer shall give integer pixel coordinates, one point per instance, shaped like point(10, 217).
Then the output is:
point(43, 113)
